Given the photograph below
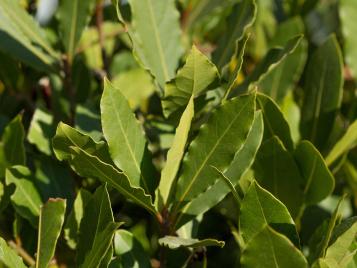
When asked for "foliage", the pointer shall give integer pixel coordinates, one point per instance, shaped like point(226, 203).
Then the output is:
point(178, 133)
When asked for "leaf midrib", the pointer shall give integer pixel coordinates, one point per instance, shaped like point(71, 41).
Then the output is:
point(193, 180)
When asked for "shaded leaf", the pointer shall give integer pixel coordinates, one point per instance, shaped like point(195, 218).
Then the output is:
point(193, 79)
point(50, 226)
point(319, 182)
point(25, 199)
point(347, 142)
point(96, 230)
point(276, 171)
point(71, 227)
point(22, 38)
point(323, 92)
point(130, 251)
point(216, 144)
point(174, 242)
point(126, 139)
point(73, 16)
point(41, 131)
point(260, 209)
point(274, 121)
point(13, 143)
point(241, 18)
point(269, 249)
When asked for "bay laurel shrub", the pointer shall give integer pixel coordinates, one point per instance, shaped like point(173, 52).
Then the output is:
point(188, 133)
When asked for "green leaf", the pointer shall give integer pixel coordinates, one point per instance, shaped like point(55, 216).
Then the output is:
point(323, 92)
point(137, 86)
point(319, 182)
point(241, 18)
point(260, 209)
point(126, 139)
point(71, 227)
point(9, 257)
point(340, 249)
point(96, 230)
point(175, 154)
point(13, 143)
point(279, 81)
point(269, 249)
point(73, 15)
point(87, 157)
point(25, 199)
point(347, 142)
point(130, 251)
point(326, 231)
point(41, 131)
point(347, 11)
point(50, 226)
point(194, 78)
point(174, 242)
point(276, 171)
point(155, 33)
point(274, 121)
point(242, 161)
point(271, 61)
point(216, 144)
point(22, 37)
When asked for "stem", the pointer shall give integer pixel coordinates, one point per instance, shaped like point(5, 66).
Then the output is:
point(99, 23)
point(67, 81)
point(19, 250)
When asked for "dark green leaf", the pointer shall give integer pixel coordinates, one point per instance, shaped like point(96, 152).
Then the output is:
point(323, 92)
point(50, 226)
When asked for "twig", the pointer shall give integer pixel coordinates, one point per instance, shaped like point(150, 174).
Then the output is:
point(25, 256)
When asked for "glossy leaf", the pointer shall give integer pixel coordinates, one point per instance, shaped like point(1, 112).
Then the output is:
point(347, 11)
point(175, 154)
point(71, 227)
point(86, 159)
point(9, 257)
point(269, 249)
point(73, 15)
point(274, 121)
point(174, 242)
point(41, 131)
point(216, 144)
point(241, 18)
point(323, 92)
point(22, 38)
point(319, 182)
point(194, 78)
point(155, 33)
point(96, 231)
point(260, 209)
point(130, 251)
point(347, 142)
point(50, 226)
point(276, 171)
point(25, 199)
point(126, 139)
point(242, 161)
